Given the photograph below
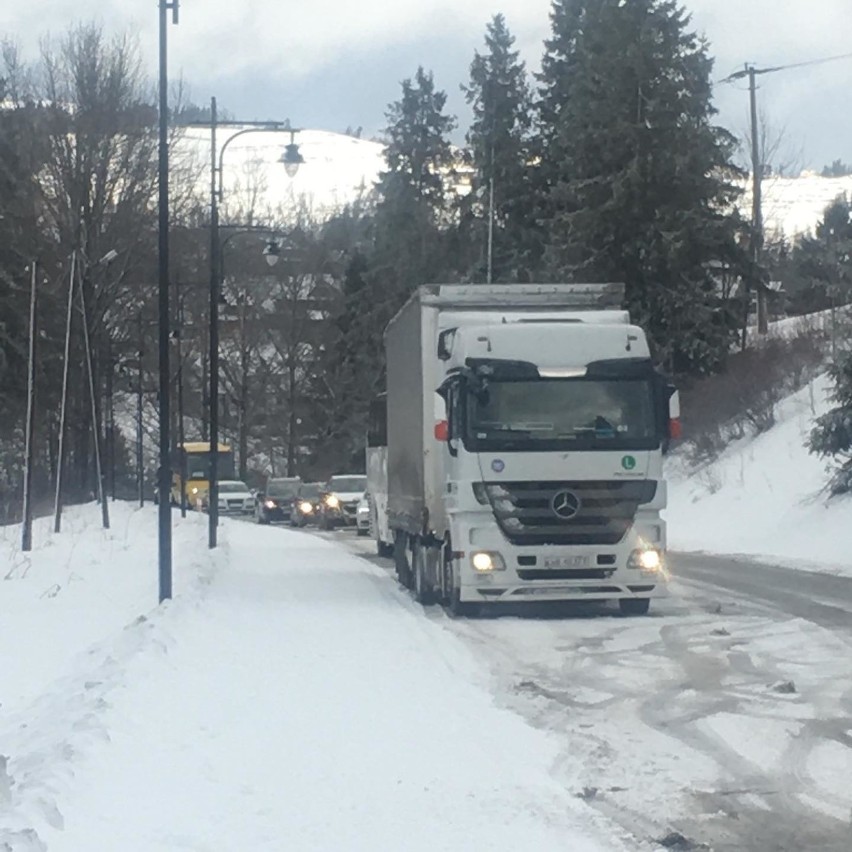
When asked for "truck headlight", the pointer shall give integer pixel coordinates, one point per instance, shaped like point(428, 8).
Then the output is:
point(306, 508)
point(194, 490)
point(646, 559)
point(331, 501)
point(484, 562)
point(270, 504)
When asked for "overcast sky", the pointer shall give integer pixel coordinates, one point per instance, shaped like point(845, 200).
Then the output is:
point(333, 64)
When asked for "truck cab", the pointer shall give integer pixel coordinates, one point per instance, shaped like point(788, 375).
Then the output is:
point(554, 431)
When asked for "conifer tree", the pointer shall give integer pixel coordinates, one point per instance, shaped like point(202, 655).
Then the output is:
point(637, 182)
point(831, 436)
point(500, 97)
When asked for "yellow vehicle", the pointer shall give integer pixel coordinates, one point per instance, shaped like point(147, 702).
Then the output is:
point(192, 460)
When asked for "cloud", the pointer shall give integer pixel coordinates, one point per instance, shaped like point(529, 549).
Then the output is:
point(302, 54)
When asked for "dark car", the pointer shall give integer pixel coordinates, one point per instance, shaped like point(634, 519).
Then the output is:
point(306, 504)
point(274, 503)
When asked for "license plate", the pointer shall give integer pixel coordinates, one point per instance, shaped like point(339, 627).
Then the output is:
point(576, 561)
point(553, 590)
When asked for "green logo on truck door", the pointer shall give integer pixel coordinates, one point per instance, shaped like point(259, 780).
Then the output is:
point(628, 462)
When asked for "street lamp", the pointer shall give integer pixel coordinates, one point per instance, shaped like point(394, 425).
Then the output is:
point(271, 252)
point(164, 473)
point(291, 159)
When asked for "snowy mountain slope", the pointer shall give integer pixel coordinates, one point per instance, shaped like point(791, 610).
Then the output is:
point(764, 497)
point(338, 167)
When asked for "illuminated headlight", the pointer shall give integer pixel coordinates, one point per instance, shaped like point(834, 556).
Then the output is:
point(270, 504)
point(194, 490)
point(306, 508)
point(331, 501)
point(647, 559)
point(484, 562)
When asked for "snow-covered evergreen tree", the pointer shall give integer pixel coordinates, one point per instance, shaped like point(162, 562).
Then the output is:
point(831, 436)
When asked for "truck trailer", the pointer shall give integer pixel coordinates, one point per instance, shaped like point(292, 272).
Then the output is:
point(517, 454)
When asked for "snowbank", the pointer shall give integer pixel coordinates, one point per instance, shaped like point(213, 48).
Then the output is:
point(290, 697)
point(764, 497)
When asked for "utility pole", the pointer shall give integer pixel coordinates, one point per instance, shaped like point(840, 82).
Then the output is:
point(27, 527)
point(110, 419)
point(164, 475)
point(757, 175)
point(181, 435)
point(213, 480)
point(140, 458)
point(96, 431)
point(63, 407)
point(756, 205)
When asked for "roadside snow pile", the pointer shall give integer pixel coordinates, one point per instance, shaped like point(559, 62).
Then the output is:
point(80, 586)
point(289, 697)
point(764, 497)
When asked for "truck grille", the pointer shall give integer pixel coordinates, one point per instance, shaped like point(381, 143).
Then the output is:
point(576, 512)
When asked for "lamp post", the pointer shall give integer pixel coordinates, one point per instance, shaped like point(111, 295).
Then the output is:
point(164, 472)
point(291, 159)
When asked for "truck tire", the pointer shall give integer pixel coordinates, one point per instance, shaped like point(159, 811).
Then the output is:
point(452, 602)
point(424, 593)
point(400, 558)
point(634, 606)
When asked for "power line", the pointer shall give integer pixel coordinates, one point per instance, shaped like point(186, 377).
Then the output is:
point(738, 75)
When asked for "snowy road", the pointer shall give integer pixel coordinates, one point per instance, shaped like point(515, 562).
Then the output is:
point(726, 717)
point(820, 598)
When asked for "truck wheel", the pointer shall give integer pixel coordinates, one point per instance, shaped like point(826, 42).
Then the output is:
point(403, 568)
point(452, 602)
point(423, 592)
point(634, 606)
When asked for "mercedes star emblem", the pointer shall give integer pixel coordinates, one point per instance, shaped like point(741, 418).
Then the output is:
point(565, 505)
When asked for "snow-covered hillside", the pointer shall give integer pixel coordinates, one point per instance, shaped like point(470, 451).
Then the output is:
point(338, 168)
point(764, 497)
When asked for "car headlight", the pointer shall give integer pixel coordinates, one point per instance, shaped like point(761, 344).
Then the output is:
point(486, 561)
point(194, 490)
point(646, 559)
point(270, 504)
point(306, 508)
point(331, 501)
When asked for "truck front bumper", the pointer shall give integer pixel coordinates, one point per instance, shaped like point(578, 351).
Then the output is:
point(559, 573)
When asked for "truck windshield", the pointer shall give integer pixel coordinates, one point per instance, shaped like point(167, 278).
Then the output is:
point(572, 413)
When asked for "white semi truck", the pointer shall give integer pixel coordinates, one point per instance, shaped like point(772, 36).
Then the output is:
point(521, 458)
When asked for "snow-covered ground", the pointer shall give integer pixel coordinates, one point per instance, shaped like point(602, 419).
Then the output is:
point(290, 697)
point(765, 497)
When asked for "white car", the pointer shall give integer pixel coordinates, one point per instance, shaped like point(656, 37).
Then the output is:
point(340, 500)
point(235, 498)
point(362, 515)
